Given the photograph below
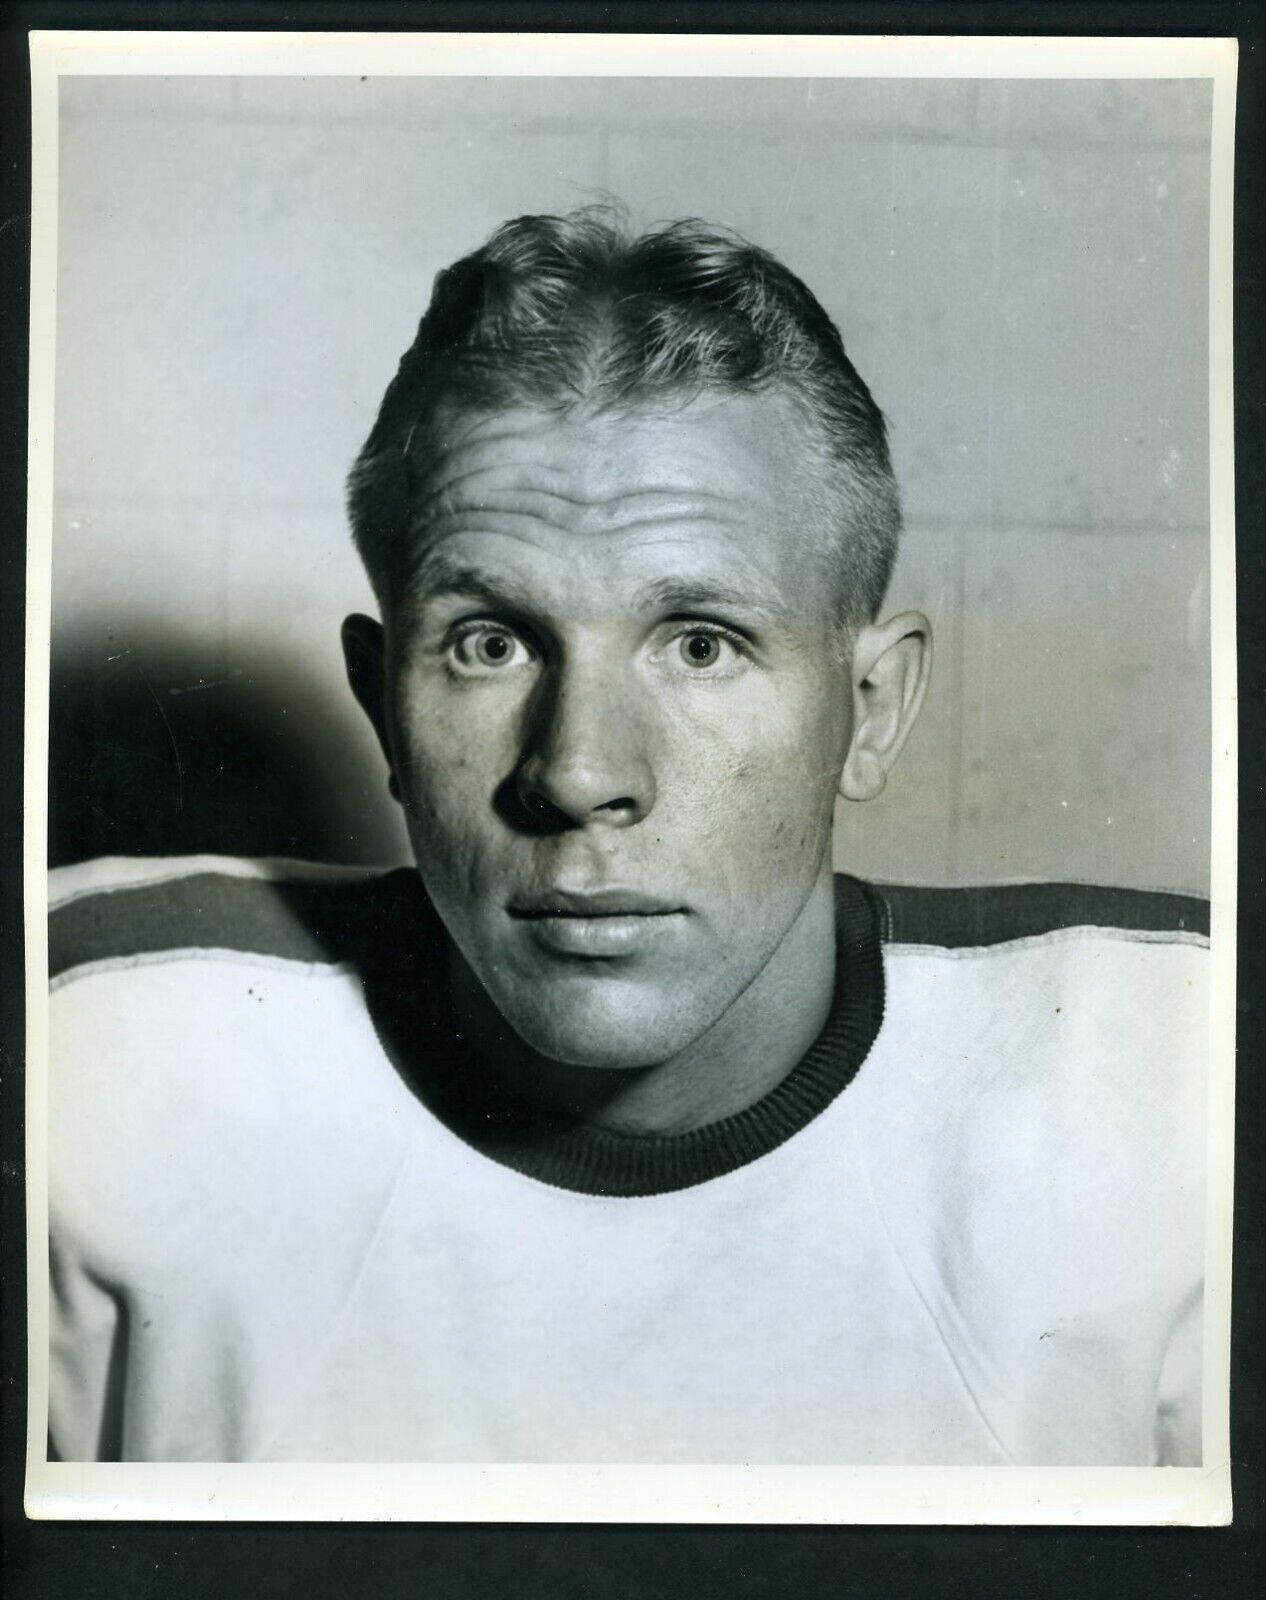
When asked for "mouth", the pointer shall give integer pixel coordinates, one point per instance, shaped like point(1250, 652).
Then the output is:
point(597, 925)
point(592, 903)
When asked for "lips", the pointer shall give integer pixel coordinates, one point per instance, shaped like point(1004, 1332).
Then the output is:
point(592, 903)
point(597, 924)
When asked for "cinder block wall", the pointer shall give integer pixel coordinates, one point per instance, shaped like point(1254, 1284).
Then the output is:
point(1019, 270)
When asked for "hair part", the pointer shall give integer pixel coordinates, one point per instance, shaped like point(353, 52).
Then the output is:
point(577, 313)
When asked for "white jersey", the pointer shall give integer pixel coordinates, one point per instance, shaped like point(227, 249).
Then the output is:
point(967, 1229)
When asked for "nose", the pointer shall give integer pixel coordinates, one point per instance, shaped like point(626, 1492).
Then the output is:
point(585, 760)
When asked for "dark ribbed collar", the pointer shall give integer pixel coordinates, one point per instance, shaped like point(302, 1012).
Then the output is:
point(407, 997)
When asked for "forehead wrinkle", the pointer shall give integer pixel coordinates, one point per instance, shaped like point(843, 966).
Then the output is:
point(672, 528)
point(591, 459)
point(584, 469)
point(480, 491)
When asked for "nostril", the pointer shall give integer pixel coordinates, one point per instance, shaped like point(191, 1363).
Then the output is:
point(527, 810)
point(539, 806)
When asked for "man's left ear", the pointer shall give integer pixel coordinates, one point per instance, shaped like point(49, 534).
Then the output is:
point(892, 662)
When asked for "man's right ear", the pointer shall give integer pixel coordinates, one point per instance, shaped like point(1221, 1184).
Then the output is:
point(365, 656)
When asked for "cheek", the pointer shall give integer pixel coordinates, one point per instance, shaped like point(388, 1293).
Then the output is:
point(445, 746)
point(447, 761)
point(774, 820)
point(761, 779)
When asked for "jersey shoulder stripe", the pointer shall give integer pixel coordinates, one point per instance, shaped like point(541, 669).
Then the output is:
point(968, 918)
point(284, 910)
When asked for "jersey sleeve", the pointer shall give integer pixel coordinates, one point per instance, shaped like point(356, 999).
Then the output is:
point(87, 1359)
point(1178, 1415)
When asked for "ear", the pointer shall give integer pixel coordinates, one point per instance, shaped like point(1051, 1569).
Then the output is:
point(892, 662)
point(365, 656)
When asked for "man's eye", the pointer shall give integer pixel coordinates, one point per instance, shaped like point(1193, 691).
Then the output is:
point(489, 649)
point(702, 649)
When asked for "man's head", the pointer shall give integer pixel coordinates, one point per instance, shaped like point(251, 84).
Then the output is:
point(630, 517)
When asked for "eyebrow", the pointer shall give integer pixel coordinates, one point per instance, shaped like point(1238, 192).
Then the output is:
point(437, 574)
point(699, 594)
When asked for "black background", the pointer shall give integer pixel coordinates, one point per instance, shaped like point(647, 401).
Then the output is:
point(65, 1561)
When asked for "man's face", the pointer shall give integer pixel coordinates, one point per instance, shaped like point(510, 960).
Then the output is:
point(618, 706)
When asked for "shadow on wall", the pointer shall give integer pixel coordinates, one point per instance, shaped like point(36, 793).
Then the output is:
point(163, 745)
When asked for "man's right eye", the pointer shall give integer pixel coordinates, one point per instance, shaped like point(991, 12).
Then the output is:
point(488, 648)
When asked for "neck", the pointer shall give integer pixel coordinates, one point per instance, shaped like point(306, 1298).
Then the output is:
point(745, 1054)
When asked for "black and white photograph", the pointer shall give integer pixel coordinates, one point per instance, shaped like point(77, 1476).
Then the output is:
point(631, 822)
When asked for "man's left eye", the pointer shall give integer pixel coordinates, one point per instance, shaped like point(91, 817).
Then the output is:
point(701, 649)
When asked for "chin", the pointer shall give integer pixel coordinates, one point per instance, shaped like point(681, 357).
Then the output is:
point(599, 1025)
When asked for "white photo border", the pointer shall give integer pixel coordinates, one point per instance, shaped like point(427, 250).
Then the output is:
point(747, 1494)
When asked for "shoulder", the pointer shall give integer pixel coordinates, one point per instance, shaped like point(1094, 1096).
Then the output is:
point(1060, 1029)
point(1053, 1040)
point(208, 1027)
point(1097, 990)
point(174, 963)
point(1089, 995)
point(1084, 995)
point(1038, 1090)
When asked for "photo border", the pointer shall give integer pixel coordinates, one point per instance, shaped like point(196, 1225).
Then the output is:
point(605, 1493)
